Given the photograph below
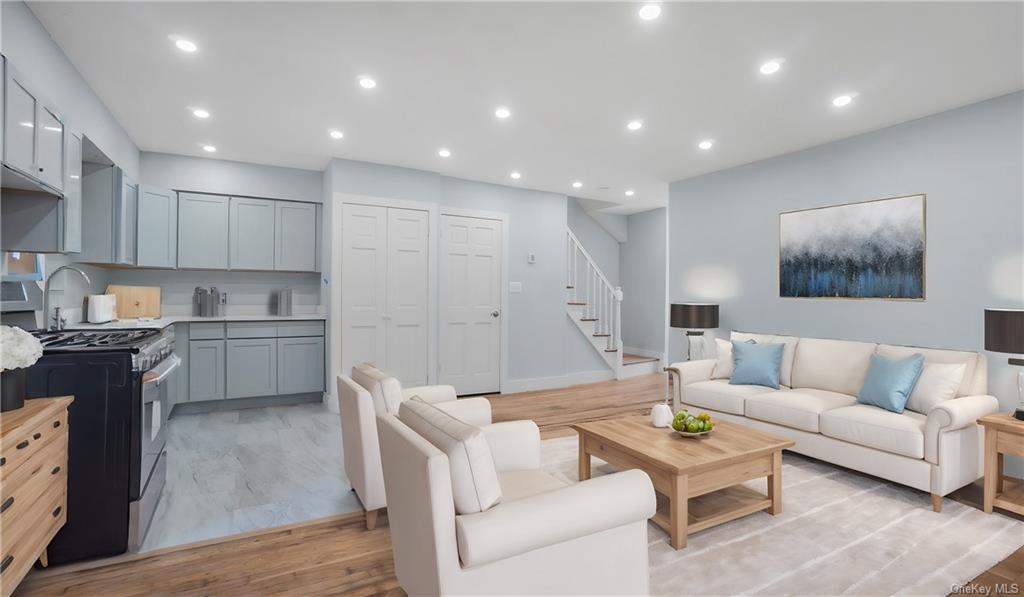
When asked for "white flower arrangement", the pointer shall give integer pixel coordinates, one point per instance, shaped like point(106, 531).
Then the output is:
point(18, 348)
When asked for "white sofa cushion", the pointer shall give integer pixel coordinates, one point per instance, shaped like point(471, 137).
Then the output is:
point(720, 395)
point(723, 367)
point(937, 384)
point(385, 390)
point(516, 485)
point(834, 365)
point(941, 357)
point(788, 353)
point(877, 428)
point(475, 485)
point(798, 408)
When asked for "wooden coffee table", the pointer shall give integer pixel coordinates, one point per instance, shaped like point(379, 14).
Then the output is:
point(699, 479)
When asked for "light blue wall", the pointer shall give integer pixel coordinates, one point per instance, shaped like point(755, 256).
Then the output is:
point(542, 341)
point(601, 245)
point(970, 163)
point(206, 175)
point(643, 281)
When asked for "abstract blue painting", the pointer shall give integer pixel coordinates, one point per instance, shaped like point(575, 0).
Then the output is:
point(871, 250)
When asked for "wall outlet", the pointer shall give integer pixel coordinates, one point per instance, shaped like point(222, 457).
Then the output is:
point(531, 258)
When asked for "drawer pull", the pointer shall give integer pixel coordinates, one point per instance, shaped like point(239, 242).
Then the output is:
point(56, 424)
point(3, 460)
point(7, 562)
point(56, 512)
point(22, 445)
point(7, 504)
point(37, 435)
point(55, 470)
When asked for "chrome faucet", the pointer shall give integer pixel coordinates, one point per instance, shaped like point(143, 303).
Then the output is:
point(58, 321)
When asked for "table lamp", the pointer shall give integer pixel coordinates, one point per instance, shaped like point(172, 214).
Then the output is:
point(694, 318)
point(1004, 332)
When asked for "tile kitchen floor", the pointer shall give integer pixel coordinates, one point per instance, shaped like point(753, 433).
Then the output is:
point(237, 471)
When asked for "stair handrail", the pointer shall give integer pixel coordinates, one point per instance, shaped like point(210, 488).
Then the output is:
point(612, 326)
point(593, 263)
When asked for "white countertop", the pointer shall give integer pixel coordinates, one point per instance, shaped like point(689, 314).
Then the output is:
point(162, 322)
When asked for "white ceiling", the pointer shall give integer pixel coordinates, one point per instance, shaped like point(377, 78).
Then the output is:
point(276, 76)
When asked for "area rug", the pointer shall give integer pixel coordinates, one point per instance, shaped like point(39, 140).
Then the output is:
point(840, 533)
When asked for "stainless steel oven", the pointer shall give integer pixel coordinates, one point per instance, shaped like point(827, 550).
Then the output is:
point(158, 385)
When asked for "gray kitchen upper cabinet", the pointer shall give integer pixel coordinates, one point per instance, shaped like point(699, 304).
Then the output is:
point(300, 365)
point(252, 367)
point(202, 231)
point(71, 227)
point(19, 123)
point(206, 370)
point(109, 214)
point(49, 148)
point(157, 227)
point(296, 237)
point(252, 233)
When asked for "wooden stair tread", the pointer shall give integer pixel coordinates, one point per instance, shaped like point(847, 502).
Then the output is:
point(636, 359)
point(578, 303)
point(611, 350)
point(601, 335)
point(588, 319)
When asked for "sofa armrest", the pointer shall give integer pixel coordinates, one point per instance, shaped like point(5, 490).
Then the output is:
point(952, 415)
point(515, 445)
point(431, 394)
point(475, 411)
point(513, 528)
point(687, 372)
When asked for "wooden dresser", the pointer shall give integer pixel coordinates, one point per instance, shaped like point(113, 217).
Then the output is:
point(33, 484)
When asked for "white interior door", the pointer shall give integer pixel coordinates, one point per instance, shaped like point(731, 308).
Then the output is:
point(470, 303)
point(408, 289)
point(364, 270)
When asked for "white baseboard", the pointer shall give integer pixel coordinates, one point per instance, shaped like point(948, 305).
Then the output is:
point(556, 381)
point(657, 354)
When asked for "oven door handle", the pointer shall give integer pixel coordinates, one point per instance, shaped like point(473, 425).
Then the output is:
point(161, 371)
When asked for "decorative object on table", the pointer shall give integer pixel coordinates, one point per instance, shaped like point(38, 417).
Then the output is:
point(873, 249)
point(1004, 434)
point(1004, 332)
point(694, 318)
point(687, 424)
point(19, 350)
point(661, 415)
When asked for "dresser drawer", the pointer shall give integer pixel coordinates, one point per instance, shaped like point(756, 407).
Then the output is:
point(206, 331)
point(17, 555)
point(24, 486)
point(252, 329)
point(17, 448)
point(291, 329)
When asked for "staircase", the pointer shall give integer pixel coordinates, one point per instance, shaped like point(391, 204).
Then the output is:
point(593, 304)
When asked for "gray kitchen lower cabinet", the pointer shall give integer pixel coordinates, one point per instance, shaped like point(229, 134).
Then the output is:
point(252, 367)
point(300, 365)
point(206, 360)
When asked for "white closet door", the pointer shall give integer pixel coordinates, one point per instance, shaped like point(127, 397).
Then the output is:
point(364, 267)
point(470, 302)
point(407, 295)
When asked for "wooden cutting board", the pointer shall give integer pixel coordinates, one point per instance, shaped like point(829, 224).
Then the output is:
point(136, 301)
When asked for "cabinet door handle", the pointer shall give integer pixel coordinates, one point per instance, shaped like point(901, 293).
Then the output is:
point(7, 562)
point(56, 424)
point(55, 470)
point(56, 512)
point(3, 460)
point(37, 435)
point(7, 504)
point(22, 445)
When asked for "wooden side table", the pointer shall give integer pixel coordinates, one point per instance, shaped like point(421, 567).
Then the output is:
point(1003, 435)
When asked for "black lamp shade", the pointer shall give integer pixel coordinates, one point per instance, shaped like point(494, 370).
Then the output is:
point(694, 316)
point(1004, 330)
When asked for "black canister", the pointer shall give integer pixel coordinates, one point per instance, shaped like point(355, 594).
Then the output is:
point(12, 389)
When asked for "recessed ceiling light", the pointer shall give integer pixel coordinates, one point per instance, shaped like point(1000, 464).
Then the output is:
point(635, 125)
point(842, 100)
point(706, 144)
point(772, 66)
point(577, 184)
point(335, 134)
point(650, 11)
point(629, 193)
point(444, 152)
point(502, 112)
point(185, 45)
point(515, 175)
point(201, 113)
point(209, 148)
point(367, 82)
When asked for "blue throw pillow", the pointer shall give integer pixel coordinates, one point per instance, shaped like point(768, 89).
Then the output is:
point(756, 364)
point(890, 382)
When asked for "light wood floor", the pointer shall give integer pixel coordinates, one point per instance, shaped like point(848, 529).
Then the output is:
point(338, 555)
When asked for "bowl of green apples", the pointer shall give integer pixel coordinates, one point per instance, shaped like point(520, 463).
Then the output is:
point(688, 424)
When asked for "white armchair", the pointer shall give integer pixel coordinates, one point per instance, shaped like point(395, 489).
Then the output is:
point(533, 535)
point(388, 395)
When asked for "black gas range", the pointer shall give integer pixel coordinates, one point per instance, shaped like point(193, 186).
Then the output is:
point(122, 381)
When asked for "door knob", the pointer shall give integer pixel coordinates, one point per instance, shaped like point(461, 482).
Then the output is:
point(495, 313)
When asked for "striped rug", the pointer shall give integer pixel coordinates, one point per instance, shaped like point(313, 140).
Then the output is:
point(840, 533)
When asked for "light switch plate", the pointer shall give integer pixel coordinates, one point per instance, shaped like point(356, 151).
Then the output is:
point(532, 258)
point(515, 286)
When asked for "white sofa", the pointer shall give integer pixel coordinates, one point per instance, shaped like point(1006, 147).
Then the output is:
point(937, 451)
point(378, 393)
point(471, 513)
